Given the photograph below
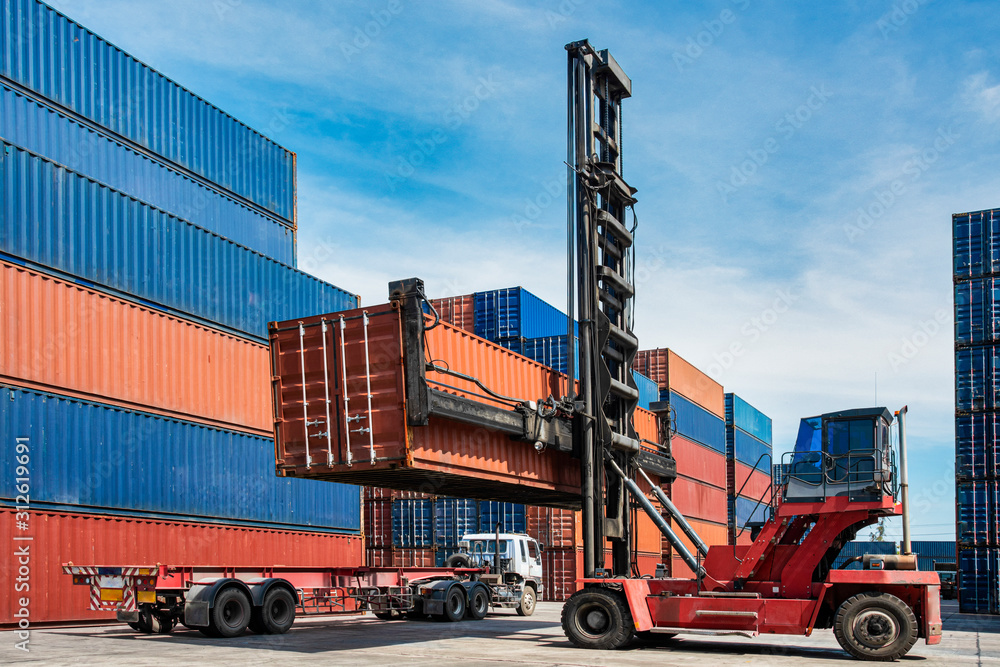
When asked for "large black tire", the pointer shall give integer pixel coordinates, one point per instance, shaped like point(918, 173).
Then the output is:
point(454, 604)
point(145, 622)
point(875, 626)
point(598, 618)
point(527, 605)
point(457, 560)
point(163, 623)
point(479, 604)
point(275, 614)
point(231, 614)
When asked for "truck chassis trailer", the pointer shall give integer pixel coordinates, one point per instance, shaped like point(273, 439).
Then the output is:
point(225, 601)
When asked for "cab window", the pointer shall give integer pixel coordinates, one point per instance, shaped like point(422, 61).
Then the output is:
point(532, 551)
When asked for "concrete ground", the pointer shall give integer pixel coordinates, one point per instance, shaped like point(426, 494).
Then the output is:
point(503, 638)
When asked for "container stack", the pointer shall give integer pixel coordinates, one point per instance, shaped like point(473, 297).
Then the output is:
point(697, 411)
point(146, 239)
point(748, 468)
point(976, 239)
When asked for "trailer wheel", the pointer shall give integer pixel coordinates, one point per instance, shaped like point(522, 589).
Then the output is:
point(598, 618)
point(145, 622)
point(527, 604)
point(231, 614)
point(162, 622)
point(479, 604)
point(875, 626)
point(275, 614)
point(454, 604)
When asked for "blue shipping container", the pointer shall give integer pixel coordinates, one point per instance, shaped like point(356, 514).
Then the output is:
point(454, 518)
point(976, 455)
point(412, 523)
point(979, 580)
point(91, 457)
point(977, 378)
point(749, 510)
point(41, 129)
point(514, 312)
point(742, 415)
point(511, 516)
point(695, 422)
point(46, 52)
point(976, 239)
point(746, 449)
point(56, 218)
point(649, 391)
point(550, 351)
point(977, 311)
point(977, 513)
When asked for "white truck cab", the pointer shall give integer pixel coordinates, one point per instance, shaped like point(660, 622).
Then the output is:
point(517, 582)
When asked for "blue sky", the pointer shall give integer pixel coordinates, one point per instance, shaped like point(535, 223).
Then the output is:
point(797, 167)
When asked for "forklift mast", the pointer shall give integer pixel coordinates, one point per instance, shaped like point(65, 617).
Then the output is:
point(600, 269)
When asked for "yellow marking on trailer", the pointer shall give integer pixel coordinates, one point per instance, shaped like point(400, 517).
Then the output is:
point(111, 594)
point(146, 596)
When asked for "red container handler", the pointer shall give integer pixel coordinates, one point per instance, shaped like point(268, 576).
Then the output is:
point(60, 537)
point(357, 431)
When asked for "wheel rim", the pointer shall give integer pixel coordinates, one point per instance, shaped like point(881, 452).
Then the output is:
point(279, 611)
point(529, 600)
point(594, 620)
point(455, 605)
point(875, 628)
point(479, 603)
point(232, 614)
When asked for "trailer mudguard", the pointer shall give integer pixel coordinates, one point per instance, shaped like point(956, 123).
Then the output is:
point(260, 586)
point(200, 598)
point(433, 594)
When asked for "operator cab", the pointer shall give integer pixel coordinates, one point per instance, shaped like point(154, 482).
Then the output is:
point(847, 453)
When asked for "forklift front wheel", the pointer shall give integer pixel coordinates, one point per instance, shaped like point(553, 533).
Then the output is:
point(598, 618)
point(875, 626)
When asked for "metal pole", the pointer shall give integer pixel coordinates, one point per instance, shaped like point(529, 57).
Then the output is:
point(570, 235)
point(904, 481)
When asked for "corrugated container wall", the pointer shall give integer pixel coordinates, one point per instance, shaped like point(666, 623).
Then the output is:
point(44, 51)
point(62, 337)
point(56, 218)
point(59, 537)
point(457, 310)
point(38, 127)
point(695, 423)
point(514, 312)
point(676, 375)
point(744, 416)
point(128, 462)
point(649, 391)
point(976, 238)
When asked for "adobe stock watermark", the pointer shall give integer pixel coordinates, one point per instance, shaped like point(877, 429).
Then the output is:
point(20, 567)
point(363, 35)
point(551, 191)
point(785, 128)
point(910, 346)
point(889, 195)
point(453, 119)
point(562, 12)
point(898, 16)
point(704, 39)
point(751, 332)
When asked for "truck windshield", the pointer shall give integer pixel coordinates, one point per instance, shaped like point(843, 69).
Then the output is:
point(486, 547)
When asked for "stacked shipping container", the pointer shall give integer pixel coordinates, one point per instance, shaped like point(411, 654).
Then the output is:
point(749, 462)
point(697, 413)
point(976, 239)
point(146, 239)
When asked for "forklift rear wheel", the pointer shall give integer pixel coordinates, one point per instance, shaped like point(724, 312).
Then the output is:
point(598, 618)
point(527, 604)
point(875, 626)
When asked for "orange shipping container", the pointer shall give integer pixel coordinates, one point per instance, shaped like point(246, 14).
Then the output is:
point(555, 528)
point(454, 458)
point(670, 371)
point(59, 336)
point(84, 539)
point(698, 462)
point(457, 310)
point(699, 501)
